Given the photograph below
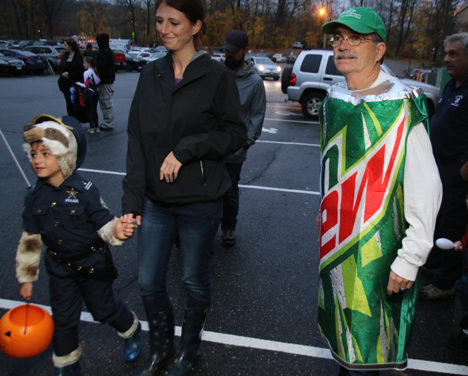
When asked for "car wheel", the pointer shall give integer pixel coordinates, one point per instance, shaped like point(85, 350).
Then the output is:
point(129, 67)
point(285, 79)
point(311, 104)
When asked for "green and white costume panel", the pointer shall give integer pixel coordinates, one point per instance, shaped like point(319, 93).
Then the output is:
point(378, 212)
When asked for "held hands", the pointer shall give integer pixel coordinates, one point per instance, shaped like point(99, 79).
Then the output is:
point(26, 291)
point(125, 226)
point(170, 168)
point(397, 284)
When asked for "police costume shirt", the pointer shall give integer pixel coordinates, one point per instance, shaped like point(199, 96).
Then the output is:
point(67, 217)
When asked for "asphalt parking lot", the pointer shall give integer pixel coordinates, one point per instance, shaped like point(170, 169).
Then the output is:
point(263, 316)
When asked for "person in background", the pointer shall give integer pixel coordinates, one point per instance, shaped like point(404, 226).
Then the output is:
point(449, 137)
point(253, 106)
point(378, 207)
point(91, 93)
point(67, 214)
point(184, 120)
point(105, 64)
point(90, 51)
point(70, 71)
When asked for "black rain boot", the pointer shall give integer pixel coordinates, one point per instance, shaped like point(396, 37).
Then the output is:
point(161, 338)
point(194, 320)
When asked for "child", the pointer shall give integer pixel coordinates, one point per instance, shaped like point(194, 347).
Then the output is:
point(65, 212)
point(91, 95)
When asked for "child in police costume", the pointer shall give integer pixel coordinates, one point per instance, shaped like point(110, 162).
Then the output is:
point(66, 213)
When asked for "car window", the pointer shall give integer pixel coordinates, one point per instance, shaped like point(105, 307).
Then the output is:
point(311, 63)
point(331, 67)
point(263, 60)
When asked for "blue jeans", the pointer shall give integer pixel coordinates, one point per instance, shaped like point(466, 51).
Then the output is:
point(196, 226)
point(231, 198)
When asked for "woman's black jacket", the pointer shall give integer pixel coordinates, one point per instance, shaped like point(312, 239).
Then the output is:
point(198, 119)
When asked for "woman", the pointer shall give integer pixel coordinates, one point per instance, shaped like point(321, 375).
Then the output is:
point(71, 70)
point(183, 121)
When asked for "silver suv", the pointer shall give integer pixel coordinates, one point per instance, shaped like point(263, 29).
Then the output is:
point(51, 53)
point(314, 71)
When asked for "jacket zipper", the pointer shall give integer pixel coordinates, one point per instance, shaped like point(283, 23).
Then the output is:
point(203, 173)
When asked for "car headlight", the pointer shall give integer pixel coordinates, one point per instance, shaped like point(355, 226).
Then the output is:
point(278, 68)
point(261, 68)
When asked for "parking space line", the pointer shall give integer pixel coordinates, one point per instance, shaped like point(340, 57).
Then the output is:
point(288, 143)
point(314, 193)
point(292, 121)
point(275, 346)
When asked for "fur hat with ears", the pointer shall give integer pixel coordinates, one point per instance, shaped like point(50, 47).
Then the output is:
point(65, 139)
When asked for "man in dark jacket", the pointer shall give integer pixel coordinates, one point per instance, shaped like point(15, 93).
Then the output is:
point(449, 137)
point(253, 106)
point(105, 64)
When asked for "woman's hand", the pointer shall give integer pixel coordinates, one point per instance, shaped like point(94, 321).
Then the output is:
point(26, 291)
point(125, 227)
point(170, 168)
point(65, 75)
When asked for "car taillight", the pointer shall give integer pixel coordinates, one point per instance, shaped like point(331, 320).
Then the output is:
point(26, 58)
point(59, 57)
point(292, 81)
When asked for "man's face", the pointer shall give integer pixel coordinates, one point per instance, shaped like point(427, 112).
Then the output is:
point(456, 60)
point(234, 60)
point(357, 59)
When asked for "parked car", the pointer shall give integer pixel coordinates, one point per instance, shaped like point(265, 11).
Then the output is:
point(11, 65)
point(278, 58)
point(417, 73)
point(133, 61)
point(154, 56)
point(218, 56)
point(120, 61)
point(314, 72)
point(51, 53)
point(33, 63)
point(266, 68)
point(298, 44)
point(291, 58)
point(160, 49)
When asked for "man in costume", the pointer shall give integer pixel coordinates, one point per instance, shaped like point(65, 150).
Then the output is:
point(380, 196)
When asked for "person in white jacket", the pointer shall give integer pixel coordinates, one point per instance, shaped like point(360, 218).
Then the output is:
point(91, 94)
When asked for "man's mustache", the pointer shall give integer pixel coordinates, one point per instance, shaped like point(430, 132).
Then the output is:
point(345, 55)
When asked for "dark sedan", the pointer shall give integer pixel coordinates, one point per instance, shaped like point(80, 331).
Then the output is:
point(33, 63)
point(11, 65)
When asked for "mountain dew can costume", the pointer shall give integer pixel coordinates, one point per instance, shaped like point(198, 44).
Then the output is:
point(372, 219)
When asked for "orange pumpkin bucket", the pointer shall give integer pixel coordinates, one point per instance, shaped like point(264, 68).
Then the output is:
point(25, 331)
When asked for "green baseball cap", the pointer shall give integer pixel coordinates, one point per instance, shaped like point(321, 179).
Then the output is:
point(362, 20)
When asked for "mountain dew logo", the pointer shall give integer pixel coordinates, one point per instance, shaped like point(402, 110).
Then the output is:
point(350, 208)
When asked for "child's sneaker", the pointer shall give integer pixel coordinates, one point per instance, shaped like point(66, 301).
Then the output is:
point(132, 346)
point(91, 130)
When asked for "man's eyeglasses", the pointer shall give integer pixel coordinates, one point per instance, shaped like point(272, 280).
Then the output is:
point(353, 40)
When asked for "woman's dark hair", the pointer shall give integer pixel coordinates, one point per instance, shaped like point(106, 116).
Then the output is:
point(90, 60)
point(193, 10)
point(73, 46)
